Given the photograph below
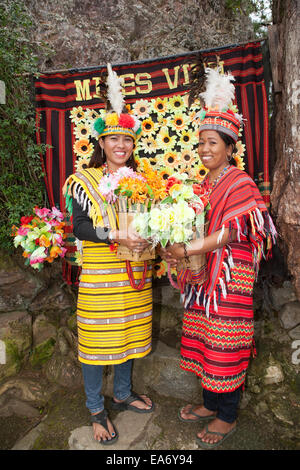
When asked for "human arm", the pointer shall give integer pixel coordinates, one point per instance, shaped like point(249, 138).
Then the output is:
point(83, 230)
point(209, 243)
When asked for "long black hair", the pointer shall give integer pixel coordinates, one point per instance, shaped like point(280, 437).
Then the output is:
point(99, 158)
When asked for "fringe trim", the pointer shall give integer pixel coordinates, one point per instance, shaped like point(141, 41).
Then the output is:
point(262, 228)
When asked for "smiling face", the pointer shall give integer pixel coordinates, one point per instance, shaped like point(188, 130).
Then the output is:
point(213, 151)
point(118, 149)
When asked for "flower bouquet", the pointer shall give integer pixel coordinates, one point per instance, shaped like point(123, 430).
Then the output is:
point(179, 218)
point(41, 235)
point(132, 192)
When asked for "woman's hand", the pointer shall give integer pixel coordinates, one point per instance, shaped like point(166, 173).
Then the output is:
point(163, 253)
point(176, 251)
point(131, 240)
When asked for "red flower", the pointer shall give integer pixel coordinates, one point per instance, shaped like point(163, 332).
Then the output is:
point(198, 189)
point(171, 181)
point(126, 121)
point(26, 219)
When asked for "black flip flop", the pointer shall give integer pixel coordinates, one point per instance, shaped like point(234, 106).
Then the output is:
point(101, 418)
point(125, 405)
point(198, 418)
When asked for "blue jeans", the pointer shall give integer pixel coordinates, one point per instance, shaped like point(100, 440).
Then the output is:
point(225, 404)
point(92, 377)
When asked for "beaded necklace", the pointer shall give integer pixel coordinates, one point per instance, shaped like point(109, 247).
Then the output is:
point(212, 185)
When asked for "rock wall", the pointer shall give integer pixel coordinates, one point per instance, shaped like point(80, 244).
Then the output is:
point(285, 197)
point(88, 33)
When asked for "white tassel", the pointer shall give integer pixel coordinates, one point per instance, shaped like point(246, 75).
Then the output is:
point(227, 272)
point(198, 296)
point(182, 298)
point(223, 287)
point(260, 219)
point(215, 302)
point(221, 234)
point(189, 297)
point(239, 229)
point(207, 307)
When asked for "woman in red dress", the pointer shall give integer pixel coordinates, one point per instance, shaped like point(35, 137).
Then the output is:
point(218, 324)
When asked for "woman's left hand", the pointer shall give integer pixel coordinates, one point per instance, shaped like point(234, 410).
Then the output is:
point(176, 250)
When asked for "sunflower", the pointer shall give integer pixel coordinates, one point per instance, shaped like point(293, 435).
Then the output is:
point(77, 115)
point(177, 104)
point(82, 131)
point(165, 141)
point(165, 172)
point(92, 114)
point(238, 156)
point(188, 171)
point(239, 162)
point(188, 138)
point(187, 157)
point(200, 171)
point(160, 269)
point(82, 163)
point(147, 145)
point(141, 108)
point(83, 148)
point(171, 159)
point(160, 105)
point(148, 126)
point(179, 121)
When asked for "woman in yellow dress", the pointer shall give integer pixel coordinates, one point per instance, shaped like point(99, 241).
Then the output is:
point(114, 320)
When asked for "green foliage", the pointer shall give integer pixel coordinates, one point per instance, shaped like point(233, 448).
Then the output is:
point(21, 178)
point(258, 10)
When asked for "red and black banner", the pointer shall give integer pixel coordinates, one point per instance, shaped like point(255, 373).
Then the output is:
point(57, 93)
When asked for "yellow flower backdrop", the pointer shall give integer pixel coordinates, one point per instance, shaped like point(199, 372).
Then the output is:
point(169, 140)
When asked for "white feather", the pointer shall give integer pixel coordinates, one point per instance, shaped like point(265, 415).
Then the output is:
point(219, 92)
point(114, 93)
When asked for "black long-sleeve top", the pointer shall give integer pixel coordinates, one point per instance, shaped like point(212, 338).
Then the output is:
point(83, 227)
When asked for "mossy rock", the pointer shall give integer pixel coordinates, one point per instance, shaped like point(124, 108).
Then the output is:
point(42, 353)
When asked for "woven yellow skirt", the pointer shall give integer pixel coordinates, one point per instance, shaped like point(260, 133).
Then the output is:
point(114, 320)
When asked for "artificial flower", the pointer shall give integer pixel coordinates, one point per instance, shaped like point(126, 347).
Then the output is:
point(177, 104)
point(179, 122)
point(160, 105)
point(41, 236)
point(148, 126)
point(165, 141)
point(83, 148)
point(77, 115)
point(82, 131)
point(141, 108)
point(148, 145)
point(171, 159)
point(188, 138)
point(82, 163)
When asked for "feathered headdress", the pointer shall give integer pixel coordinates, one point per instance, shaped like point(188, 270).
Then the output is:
point(117, 119)
point(219, 112)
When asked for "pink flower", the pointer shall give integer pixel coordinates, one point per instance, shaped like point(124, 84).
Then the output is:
point(57, 214)
point(42, 213)
point(23, 231)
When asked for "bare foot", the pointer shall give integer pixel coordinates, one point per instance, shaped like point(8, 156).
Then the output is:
point(199, 410)
point(217, 426)
point(139, 403)
point(101, 434)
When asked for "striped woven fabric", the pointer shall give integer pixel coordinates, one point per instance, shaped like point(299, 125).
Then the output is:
point(218, 348)
point(218, 321)
point(114, 321)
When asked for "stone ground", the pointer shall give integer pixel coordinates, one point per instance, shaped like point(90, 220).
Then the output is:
point(65, 426)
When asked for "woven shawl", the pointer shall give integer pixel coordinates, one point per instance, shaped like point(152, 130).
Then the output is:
point(236, 203)
point(83, 187)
